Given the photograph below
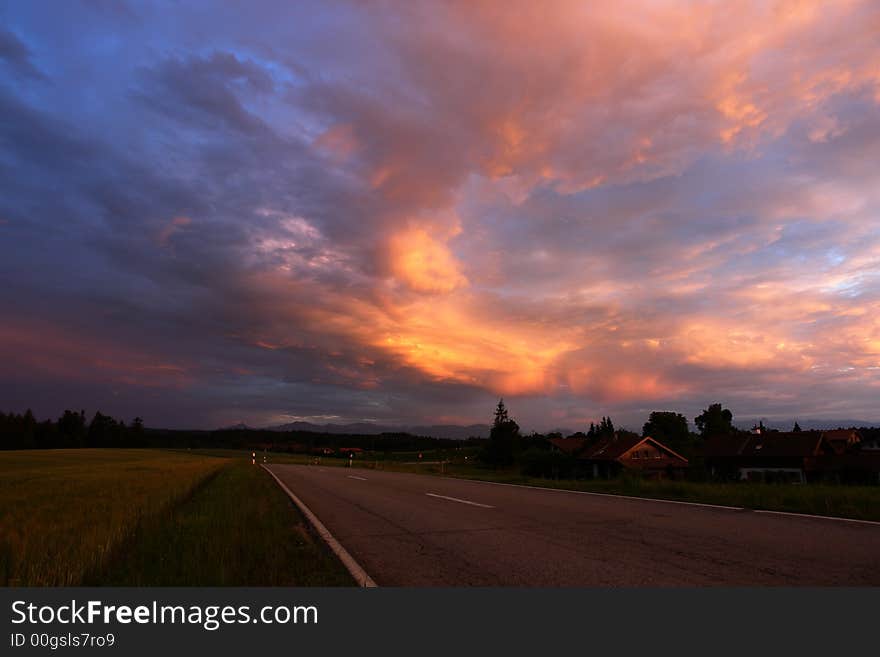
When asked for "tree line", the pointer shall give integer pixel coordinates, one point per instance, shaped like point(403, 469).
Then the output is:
point(507, 446)
point(76, 429)
point(72, 429)
point(504, 446)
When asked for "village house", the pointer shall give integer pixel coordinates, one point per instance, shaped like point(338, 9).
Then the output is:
point(842, 440)
point(799, 457)
point(610, 455)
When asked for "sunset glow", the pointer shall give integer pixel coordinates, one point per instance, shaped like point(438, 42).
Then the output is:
point(399, 212)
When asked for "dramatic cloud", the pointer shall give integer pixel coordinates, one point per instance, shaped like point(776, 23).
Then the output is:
point(400, 211)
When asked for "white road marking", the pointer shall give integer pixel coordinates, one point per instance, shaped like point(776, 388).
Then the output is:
point(358, 478)
point(624, 497)
point(353, 567)
point(809, 515)
point(455, 499)
point(656, 499)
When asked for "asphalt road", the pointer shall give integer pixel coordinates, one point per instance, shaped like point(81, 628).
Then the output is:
point(418, 530)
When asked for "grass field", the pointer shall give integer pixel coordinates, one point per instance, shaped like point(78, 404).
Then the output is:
point(63, 511)
point(145, 517)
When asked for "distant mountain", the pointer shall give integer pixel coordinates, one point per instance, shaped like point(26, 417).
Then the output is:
point(241, 426)
point(806, 425)
point(453, 431)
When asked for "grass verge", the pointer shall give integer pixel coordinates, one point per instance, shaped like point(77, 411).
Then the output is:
point(237, 529)
point(134, 517)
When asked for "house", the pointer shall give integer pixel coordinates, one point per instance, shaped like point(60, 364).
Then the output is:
point(842, 440)
point(762, 456)
point(772, 456)
point(648, 456)
point(609, 456)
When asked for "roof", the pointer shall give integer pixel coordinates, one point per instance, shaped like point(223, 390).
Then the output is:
point(611, 447)
point(569, 446)
point(841, 434)
point(608, 448)
point(725, 445)
point(799, 443)
point(842, 439)
point(771, 444)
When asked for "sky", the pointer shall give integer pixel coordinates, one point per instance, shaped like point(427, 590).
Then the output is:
point(398, 212)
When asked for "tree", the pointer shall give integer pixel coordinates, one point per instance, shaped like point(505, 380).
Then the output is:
point(714, 420)
point(104, 431)
point(669, 428)
point(72, 428)
point(501, 415)
point(504, 438)
point(796, 428)
point(605, 428)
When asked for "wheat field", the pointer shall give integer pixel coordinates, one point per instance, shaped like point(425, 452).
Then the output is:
point(62, 512)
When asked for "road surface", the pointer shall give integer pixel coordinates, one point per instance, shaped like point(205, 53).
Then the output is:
point(419, 530)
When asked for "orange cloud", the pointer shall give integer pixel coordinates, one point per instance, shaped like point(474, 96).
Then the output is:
point(424, 263)
point(448, 340)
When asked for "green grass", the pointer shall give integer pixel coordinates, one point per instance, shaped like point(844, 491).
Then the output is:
point(152, 517)
point(238, 528)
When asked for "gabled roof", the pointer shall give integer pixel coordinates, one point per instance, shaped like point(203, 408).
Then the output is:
point(614, 447)
point(799, 443)
point(570, 446)
point(842, 434)
point(842, 439)
point(611, 447)
point(771, 444)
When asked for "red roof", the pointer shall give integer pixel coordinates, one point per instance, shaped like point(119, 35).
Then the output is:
point(798, 443)
point(611, 447)
point(842, 439)
point(771, 444)
point(570, 446)
point(842, 434)
point(614, 447)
